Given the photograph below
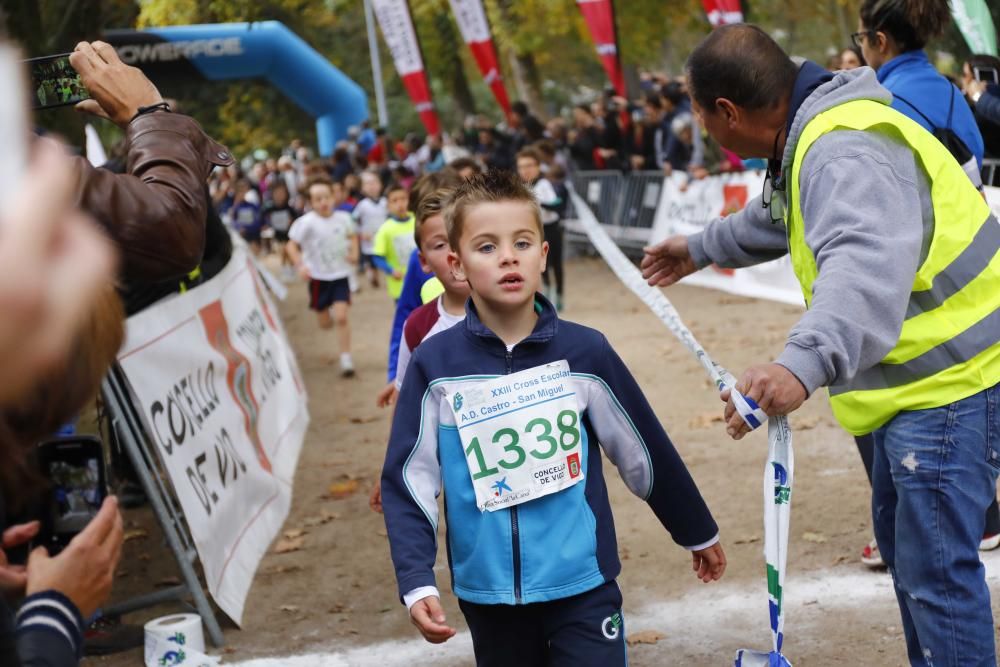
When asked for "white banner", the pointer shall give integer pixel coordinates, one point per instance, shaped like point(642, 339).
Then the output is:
point(471, 19)
point(686, 207)
point(223, 400)
point(397, 28)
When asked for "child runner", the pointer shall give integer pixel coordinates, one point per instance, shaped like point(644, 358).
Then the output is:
point(245, 215)
point(439, 313)
point(419, 285)
point(529, 168)
point(507, 413)
point(393, 241)
point(323, 246)
point(370, 213)
point(278, 215)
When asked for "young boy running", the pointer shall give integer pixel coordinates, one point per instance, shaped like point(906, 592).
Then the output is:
point(323, 247)
point(508, 413)
point(438, 314)
point(393, 243)
point(370, 213)
point(529, 168)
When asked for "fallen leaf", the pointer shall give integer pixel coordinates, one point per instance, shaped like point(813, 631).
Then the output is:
point(288, 607)
point(644, 637)
point(340, 490)
point(137, 534)
point(840, 559)
point(747, 540)
point(381, 532)
point(121, 574)
point(364, 420)
point(324, 517)
point(816, 538)
point(705, 420)
point(144, 557)
point(285, 545)
point(293, 533)
point(231, 649)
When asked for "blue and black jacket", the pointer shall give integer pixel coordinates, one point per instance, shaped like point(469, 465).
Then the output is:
point(553, 547)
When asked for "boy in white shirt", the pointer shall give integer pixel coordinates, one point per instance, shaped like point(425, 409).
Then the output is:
point(369, 214)
point(323, 246)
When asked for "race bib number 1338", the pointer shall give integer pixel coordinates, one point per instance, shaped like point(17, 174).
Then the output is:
point(521, 434)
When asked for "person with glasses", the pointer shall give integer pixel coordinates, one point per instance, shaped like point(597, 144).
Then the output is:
point(891, 36)
point(898, 258)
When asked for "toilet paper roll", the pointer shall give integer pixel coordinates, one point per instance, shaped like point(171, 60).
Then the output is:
point(177, 639)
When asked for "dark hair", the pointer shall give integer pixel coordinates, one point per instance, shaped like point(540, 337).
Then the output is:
point(856, 51)
point(585, 109)
point(673, 92)
point(466, 162)
point(911, 23)
point(531, 153)
point(431, 204)
point(740, 63)
point(653, 100)
point(393, 187)
point(520, 108)
point(428, 183)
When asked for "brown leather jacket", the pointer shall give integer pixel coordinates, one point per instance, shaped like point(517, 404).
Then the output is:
point(155, 213)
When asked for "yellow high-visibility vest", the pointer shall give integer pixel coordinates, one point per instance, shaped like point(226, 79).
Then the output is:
point(949, 346)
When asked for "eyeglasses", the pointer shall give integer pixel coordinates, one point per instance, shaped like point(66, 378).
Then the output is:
point(773, 197)
point(856, 37)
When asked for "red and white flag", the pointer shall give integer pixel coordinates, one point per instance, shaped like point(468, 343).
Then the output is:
point(600, 18)
point(723, 12)
point(397, 28)
point(475, 28)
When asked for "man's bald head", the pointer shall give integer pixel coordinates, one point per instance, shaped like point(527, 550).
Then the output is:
point(743, 64)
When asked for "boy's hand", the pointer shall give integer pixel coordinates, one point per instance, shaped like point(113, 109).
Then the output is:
point(429, 618)
point(397, 274)
point(304, 273)
point(387, 395)
point(709, 564)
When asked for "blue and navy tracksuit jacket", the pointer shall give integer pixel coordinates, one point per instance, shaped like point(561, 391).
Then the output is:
point(553, 547)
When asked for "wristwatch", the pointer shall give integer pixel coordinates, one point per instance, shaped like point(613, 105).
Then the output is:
point(975, 96)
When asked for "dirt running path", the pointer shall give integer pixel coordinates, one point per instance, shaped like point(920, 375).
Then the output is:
point(337, 594)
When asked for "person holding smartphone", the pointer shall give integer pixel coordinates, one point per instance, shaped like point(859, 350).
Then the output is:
point(61, 329)
point(980, 79)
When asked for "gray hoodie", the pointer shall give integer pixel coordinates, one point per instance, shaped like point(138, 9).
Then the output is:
point(865, 204)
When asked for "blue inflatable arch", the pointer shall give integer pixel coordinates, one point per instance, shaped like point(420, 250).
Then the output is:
point(244, 50)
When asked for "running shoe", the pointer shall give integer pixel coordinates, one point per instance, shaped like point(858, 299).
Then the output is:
point(990, 542)
point(871, 556)
point(346, 365)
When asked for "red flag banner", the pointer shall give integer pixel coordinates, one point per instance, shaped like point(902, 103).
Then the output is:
point(475, 28)
point(723, 12)
point(397, 28)
point(600, 18)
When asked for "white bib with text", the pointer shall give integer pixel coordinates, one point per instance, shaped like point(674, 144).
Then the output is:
point(521, 434)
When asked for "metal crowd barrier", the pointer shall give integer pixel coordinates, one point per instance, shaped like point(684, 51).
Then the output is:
point(991, 172)
point(624, 203)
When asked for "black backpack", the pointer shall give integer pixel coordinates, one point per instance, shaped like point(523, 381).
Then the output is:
point(945, 135)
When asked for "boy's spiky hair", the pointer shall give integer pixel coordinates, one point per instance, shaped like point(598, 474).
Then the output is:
point(494, 186)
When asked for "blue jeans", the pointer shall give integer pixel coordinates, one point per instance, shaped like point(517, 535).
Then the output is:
point(934, 474)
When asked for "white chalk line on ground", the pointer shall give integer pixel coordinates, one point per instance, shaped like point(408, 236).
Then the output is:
point(713, 620)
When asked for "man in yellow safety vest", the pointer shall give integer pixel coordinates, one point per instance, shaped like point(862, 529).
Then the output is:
point(897, 256)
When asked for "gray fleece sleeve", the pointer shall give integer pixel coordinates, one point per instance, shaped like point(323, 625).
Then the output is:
point(864, 216)
point(744, 238)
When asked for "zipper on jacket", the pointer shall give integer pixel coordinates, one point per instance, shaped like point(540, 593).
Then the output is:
point(515, 535)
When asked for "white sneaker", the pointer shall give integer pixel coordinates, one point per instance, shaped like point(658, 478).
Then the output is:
point(990, 542)
point(346, 365)
point(871, 556)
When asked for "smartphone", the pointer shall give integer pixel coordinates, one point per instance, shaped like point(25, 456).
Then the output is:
point(76, 473)
point(54, 82)
point(987, 74)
